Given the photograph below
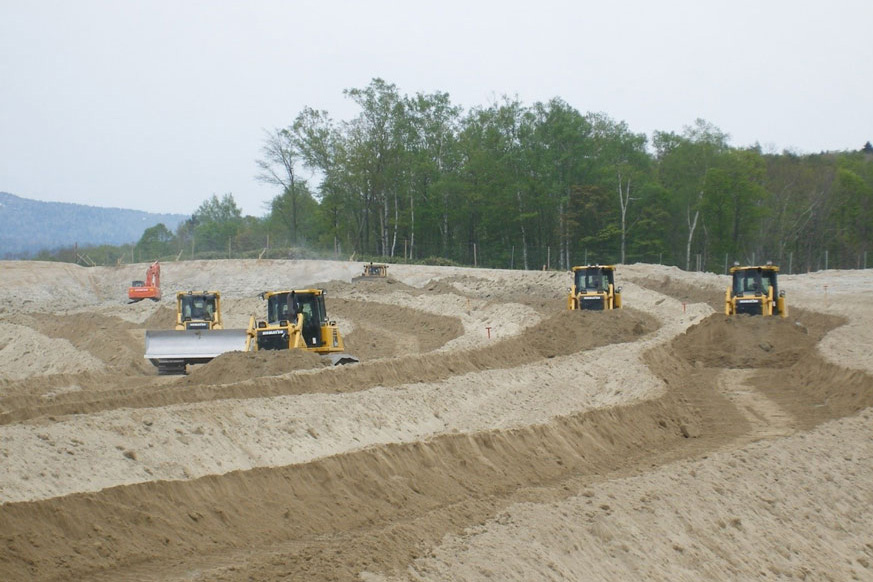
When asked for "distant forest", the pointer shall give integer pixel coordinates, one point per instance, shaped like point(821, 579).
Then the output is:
point(510, 185)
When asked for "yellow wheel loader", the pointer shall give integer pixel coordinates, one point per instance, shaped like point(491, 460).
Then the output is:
point(594, 288)
point(754, 291)
point(297, 320)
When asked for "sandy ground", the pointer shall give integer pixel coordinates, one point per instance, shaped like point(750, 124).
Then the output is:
point(487, 433)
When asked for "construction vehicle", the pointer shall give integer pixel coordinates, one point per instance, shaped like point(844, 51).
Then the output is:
point(594, 288)
point(198, 337)
point(372, 272)
point(148, 289)
point(198, 310)
point(297, 320)
point(754, 291)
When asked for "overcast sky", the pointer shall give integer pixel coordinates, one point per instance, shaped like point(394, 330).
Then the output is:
point(157, 105)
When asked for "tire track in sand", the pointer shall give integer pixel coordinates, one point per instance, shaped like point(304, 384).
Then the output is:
point(765, 417)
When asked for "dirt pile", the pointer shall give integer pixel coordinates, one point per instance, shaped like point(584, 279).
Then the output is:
point(644, 443)
point(235, 367)
point(747, 341)
point(383, 330)
point(25, 352)
point(368, 287)
point(682, 290)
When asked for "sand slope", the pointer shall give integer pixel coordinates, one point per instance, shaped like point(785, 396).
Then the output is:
point(486, 434)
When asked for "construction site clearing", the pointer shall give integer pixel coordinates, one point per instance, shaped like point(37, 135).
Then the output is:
point(488, 431)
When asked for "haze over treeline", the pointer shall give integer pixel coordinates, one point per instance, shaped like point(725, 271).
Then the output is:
point(509, 184)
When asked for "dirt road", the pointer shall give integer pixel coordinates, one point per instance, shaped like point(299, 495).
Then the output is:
point(486, 434)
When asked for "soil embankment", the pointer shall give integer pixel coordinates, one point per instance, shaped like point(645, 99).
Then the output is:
point(636, 444)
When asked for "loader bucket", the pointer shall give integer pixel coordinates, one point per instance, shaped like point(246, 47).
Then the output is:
point(192, 346)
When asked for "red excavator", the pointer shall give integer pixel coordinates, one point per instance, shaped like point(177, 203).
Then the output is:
point(148, 289)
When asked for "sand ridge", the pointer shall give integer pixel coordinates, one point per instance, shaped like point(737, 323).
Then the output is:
point(662, 441)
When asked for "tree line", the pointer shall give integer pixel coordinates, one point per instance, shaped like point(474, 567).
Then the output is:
point(509, 185)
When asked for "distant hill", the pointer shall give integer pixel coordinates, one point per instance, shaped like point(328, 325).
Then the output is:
point(29, 226)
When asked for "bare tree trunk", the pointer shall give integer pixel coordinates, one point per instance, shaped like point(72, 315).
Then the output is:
point(396, 222)
point(562, 238)
point(691, 226)
point(444, 228)
point(383, 225)
point(523, 232)
point(623, 200)
point(411, 225)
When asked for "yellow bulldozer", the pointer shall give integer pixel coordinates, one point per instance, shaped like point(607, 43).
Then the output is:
point(297, 320)
point(594, 288)
point(755, 291)
point(198, 335)
point(372, 272)
point(198, 310)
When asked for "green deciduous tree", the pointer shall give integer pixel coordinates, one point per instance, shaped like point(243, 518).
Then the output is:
point(216, 222)
point(683, 163)
point(155, 242)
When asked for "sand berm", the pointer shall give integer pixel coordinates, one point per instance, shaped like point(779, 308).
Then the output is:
point(487, 433)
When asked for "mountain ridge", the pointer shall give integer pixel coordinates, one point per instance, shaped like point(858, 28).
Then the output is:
point(29, 226)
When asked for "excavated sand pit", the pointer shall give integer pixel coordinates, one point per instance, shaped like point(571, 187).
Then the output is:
point(486, 434)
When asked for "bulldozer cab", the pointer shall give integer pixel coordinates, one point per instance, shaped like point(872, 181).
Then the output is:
point(754, 282)
point(594, 288)
point(593, 279)
point(284, 306)
point(201, 307)
point(755, 291)
point(372, 272)
point(198, 310)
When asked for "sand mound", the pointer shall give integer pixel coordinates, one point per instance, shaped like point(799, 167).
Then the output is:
point(239, 366)
point(746, 341)
point(643, 443)
point(114, 341)
point(25, 352)
point(682, 290)
point(164, 317)
point(367, 287)
point(549, 287)
point(383, 330)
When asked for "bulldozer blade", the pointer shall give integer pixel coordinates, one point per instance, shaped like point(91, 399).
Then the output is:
point(192, 346)
point(340, 359)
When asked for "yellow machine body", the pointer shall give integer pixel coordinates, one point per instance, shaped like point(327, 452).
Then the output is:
point(297, 319)
point(594, 288)
point(198, 310)
point(754, 290)
point(372, 272)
